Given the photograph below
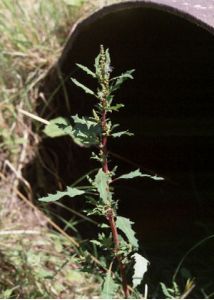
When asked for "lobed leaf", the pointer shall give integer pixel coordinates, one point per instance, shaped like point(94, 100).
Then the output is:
point(137, 173)
point(53, 129)
point(140, 268)
point(83, 87)
point(125, 225)
point(71, 192)
point(101, 182)
point(120, 133)
point(86, 131)
point(109, 287)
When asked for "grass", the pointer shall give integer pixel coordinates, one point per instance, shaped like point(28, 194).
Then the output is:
point(35, 260)
point(32, 35)
point(39, 263)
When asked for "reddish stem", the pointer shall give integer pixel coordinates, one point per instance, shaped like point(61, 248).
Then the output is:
point(110, 218)
point(110, 213)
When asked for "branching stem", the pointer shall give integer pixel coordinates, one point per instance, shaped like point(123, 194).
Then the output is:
point(110, 216)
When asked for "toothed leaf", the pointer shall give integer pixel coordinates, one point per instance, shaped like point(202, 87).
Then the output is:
point(101, 182)
point(125, 225)
point(120, 133)
point(86, 131)
point(109, 287)
point(87, 70)
point(71, 192)
point(83, 87)
point(137, 173)
point(53, 130)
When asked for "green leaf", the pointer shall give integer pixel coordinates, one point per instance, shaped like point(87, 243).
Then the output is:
point(83, 87)
point(125, 225)
point(71, 192)
point(140, 268)
point(120, 133)
point(97, 64)
point(137, 173)
point(107, 63)
point(101, 182)
point(86, 131)
point(109, 287)
point(97, 243)
point(96, 157)
point(109, 99)
point(115, 107)
point(121, 79)
point(87, 70)
point(108, 59)
point(166, 291)
point(53, 129)
point(105, 240)
point(127, 75)
point(7, 294)
point(104, 225)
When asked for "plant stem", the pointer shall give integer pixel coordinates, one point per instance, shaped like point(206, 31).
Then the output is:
point(104, 139)
point(110, 218)
point(110, 213)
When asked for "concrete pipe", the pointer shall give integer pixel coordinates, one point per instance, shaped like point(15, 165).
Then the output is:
point(169, 105)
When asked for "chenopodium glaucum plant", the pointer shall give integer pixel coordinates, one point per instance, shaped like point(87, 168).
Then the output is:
point(116, 234)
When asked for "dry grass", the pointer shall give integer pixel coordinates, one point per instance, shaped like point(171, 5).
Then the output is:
point(32, 34)
point(35, 261)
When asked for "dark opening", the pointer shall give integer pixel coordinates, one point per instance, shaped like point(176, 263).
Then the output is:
point(170, 108)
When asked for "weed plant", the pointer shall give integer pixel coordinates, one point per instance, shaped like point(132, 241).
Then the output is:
point(32, 36)
point(120, 265)
point(116, 236)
